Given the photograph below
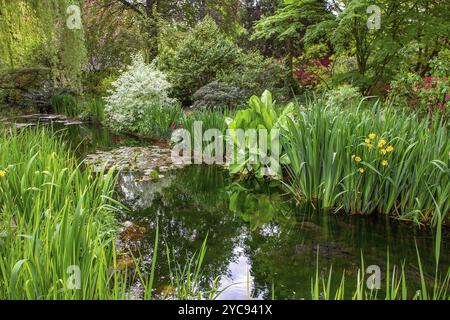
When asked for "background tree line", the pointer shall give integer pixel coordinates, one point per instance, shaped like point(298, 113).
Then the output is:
point(231, 47)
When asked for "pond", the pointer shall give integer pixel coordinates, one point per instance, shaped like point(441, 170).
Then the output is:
point(259, 243)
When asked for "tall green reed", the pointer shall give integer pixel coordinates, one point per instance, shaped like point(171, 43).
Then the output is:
point(56, 219)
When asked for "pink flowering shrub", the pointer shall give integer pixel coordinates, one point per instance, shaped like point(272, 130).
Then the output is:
point(426, 95)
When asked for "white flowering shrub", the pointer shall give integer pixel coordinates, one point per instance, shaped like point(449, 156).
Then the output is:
point(141, 86)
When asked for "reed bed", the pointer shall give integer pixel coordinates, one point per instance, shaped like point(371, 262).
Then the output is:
point(58, 228)
point(369, 159)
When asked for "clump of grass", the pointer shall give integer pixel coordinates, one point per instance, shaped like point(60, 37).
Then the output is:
point(159, 122)
point(56, 220)
point(186, 278)
point(93, 109)
point(66, 104)
point(369, 160)
point(87, 108)
point(208, 119)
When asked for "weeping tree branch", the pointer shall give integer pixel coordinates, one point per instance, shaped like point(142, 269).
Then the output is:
point(132, 5)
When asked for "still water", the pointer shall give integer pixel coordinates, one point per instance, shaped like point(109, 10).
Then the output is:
point(259, 240)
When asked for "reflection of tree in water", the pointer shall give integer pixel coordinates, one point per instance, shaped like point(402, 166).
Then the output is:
point(284, 251)
point(192, 207)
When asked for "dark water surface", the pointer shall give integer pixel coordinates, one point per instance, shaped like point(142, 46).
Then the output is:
point(257, 238)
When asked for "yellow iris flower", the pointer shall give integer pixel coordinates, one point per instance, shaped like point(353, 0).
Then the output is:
point(381, 143)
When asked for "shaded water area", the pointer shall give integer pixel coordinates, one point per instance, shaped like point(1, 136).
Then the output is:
point(259, 242)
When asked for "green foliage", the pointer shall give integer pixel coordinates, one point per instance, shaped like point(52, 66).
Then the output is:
point(18, 24)
point(407, 40)
point(256, 202)
point(33, 36)
point(86, 108)
point(261, 114)
point(343, 96)
point(426, 96)
point(159, 121)
point(253, 73)
point(66, 104)
point(93, 109)
point(56, 215)
point(63, 216)
point(365, 161)
point(396, 285)
point(187, 278)
point(208, 119)
point(198, 59)
point(292, 20)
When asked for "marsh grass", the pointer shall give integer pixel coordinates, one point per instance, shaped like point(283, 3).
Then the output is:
point(333, 166)
point(159, 122)
point(87, 108)
point(53, 216)
point(396, 283)
point(57, 218)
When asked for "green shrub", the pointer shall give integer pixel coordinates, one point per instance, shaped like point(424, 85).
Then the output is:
point(426, 96)
point(254, 74)
point(140, 87)
point(261, 114)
